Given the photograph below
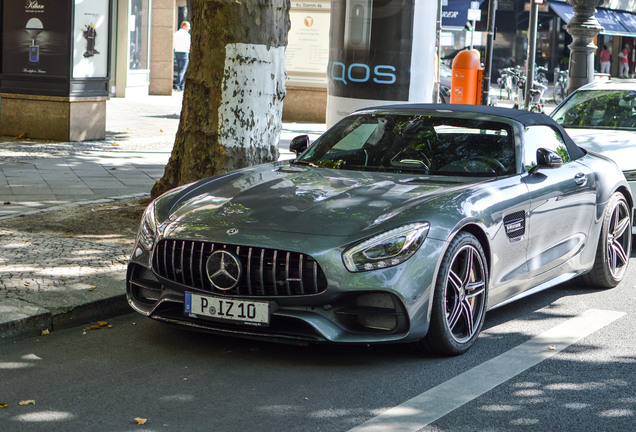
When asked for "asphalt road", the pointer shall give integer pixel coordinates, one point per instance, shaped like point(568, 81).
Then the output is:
point(563, 359)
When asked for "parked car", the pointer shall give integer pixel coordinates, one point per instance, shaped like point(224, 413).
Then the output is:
point(601, 117)
point(398, 224)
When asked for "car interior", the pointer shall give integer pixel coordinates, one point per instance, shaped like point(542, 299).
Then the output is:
point(613, 110)
point(421, 144)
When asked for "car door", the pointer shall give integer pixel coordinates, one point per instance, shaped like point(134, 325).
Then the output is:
point(509, 239)
point(562, 207)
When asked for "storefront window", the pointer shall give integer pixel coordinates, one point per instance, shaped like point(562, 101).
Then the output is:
point(544, 49)
point(138, 27)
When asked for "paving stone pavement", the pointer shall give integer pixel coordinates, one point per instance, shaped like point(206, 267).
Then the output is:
point(49, 282)
point(46, 280)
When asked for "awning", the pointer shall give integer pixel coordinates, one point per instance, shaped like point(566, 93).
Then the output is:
point(455, 14)
point(563, 10)
point(629, 21)
point(610, 20)
point(615, 23)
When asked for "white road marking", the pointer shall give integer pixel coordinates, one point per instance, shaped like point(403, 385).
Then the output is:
point(435, 403)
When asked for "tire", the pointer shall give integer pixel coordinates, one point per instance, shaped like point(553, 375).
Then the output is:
point(614, 245)
point(459, 300)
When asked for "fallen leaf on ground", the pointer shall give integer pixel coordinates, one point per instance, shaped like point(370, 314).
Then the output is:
point(101, 324)
point(3, 405)
point(551, 347)
point(140, 421)
point(27, 402)
point(22, 135)
point(92, 288)
point(45, 332)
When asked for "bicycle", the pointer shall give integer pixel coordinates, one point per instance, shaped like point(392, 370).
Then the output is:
point(560, 85)
point(537, 103)
point(542, 75)
point(508, 80)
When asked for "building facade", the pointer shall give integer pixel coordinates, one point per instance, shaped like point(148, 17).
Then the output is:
point(140, 40)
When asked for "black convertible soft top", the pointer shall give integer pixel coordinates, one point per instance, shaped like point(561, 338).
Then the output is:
point(526, 118)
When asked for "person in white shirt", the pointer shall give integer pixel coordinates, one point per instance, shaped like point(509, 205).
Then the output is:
point(181, 53)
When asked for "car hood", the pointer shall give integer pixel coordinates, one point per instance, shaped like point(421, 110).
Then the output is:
point(618, 145)
point(299, 199)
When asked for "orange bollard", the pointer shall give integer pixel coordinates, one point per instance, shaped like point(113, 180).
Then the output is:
point(466, 79)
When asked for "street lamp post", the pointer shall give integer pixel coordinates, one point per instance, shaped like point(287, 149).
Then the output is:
point(490, 37)
point(532, 53)
point(583, 27)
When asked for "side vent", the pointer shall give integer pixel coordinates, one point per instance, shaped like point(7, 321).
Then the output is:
point(515, 224)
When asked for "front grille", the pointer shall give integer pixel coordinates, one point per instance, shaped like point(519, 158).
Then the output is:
point(265, 272)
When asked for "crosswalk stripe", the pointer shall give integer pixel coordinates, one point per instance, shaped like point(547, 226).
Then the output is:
point(424, 409)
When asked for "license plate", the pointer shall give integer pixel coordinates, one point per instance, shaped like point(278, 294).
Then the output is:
point(244, 311)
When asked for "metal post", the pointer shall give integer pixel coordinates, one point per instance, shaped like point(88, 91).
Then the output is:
point(438, 32)
point(490, 37)
point(583, 27)
point(532, 52)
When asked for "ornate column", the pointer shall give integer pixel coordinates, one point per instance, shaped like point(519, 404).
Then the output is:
point(583, 27)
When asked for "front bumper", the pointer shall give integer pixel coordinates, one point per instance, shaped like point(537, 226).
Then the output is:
point(344, 317)
point(380, 306)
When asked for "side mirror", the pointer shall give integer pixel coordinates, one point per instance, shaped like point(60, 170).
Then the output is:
point(547, 159)
point(299, 144)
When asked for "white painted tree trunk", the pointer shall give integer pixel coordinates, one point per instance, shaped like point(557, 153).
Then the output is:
point(234, 89)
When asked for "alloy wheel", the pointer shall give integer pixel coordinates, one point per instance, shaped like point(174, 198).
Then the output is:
point(465, 294)
point(618, 240)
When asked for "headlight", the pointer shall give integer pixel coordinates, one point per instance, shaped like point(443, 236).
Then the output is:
point(148, 228)
point(387, 249)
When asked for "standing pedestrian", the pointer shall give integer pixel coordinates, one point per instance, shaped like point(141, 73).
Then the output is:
point(605, 60)
point(624, 66)
point(182, 53)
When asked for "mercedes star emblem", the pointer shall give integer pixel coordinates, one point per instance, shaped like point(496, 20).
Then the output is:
point(224, 270)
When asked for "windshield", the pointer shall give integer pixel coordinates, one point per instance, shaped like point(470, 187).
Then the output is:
point(599, 109)
point(415, 144)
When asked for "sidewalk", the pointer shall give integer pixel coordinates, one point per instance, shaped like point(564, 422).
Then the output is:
point(48, 282)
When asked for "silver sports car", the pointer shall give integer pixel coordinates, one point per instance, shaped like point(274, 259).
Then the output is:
point(399, 224)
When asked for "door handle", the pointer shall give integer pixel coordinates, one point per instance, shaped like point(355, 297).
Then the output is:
point(580, 179)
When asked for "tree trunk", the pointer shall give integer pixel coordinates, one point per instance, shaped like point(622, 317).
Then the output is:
point(234, 90)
